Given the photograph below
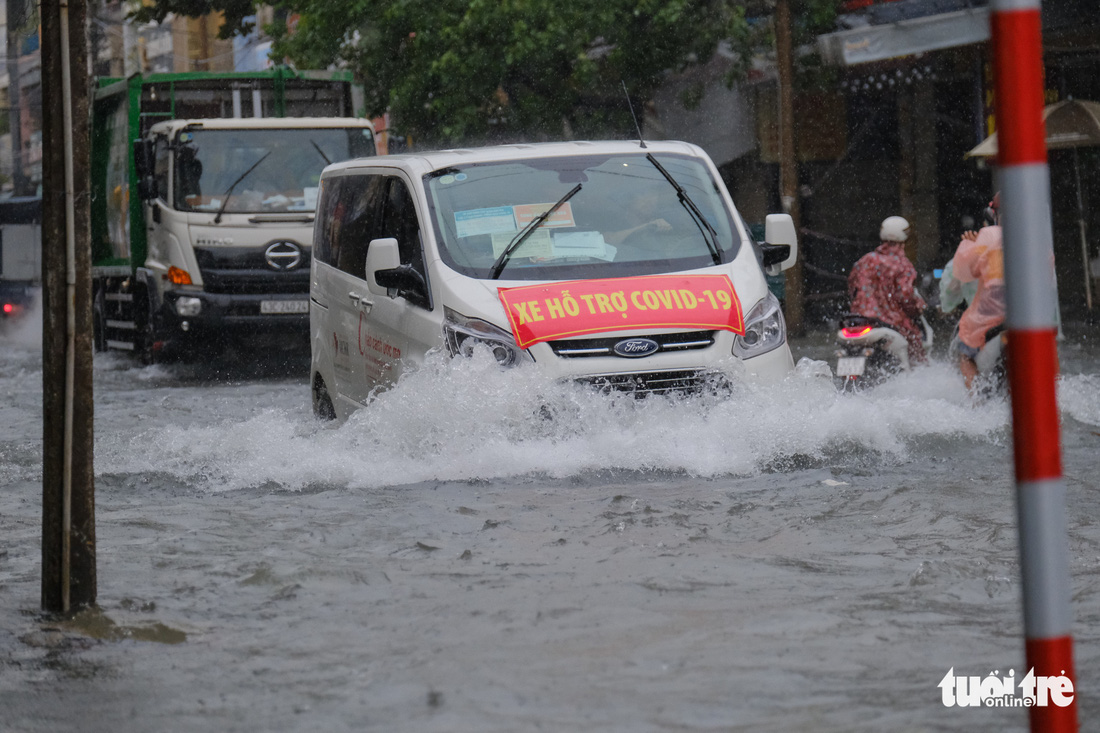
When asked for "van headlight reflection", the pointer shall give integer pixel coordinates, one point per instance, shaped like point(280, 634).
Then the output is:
point(765, 329)
point(462, 334)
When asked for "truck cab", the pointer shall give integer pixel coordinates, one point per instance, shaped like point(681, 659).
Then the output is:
point(228, 208)
point(203, 190)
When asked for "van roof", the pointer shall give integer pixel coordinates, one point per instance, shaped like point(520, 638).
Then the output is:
point(421, 163)
point(262, 123)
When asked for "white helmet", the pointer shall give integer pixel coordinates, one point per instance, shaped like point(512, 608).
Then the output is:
point(894, 229)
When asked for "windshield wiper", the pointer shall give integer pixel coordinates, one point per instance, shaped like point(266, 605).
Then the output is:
point(709, 235)
point(498, 266)
point(218, 216)
point(320, 152)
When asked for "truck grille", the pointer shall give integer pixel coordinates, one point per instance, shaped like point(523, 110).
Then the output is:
point(581, 348)
point(244, 271)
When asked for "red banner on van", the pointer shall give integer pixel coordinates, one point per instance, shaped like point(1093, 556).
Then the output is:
point(573, 308)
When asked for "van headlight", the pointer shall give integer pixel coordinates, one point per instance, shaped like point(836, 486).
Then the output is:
point(463, 333)
point(765, 329)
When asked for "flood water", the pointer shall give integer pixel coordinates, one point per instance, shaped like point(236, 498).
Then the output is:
point(479, 551)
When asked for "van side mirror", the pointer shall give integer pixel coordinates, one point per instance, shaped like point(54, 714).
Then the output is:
point(382, 256)
point(387, 276)
point(403, 279)
point(780, 248)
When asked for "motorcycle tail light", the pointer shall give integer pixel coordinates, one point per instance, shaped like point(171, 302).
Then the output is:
point(854, 332)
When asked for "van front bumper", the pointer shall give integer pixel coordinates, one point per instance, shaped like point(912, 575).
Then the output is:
point(706, 368)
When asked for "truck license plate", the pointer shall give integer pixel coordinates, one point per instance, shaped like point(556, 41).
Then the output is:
point(850, 366)
point(284, 306)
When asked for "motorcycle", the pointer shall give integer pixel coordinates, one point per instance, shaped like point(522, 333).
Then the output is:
point(871, 351)
point(991, 360)
point(992, 377)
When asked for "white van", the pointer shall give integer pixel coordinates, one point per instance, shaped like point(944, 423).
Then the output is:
point(612, 263)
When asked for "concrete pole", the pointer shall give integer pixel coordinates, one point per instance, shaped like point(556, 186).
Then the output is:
point(788, 171)
point(16, 20)
point(68, 500)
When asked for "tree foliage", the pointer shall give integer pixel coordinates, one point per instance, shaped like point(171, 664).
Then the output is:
point(467, 71)
point(234, 12)
point(473, 70)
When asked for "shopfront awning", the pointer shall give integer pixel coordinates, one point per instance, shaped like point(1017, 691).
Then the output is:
point(905, 37)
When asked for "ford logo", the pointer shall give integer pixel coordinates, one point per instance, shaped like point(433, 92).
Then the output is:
point(283, 255)
point(637, 347)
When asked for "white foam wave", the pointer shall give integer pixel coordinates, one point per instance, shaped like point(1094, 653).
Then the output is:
point(465, 420)
point(1079, 397)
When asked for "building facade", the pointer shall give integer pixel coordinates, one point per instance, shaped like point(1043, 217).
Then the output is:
point(885, 113)
point(118, 48)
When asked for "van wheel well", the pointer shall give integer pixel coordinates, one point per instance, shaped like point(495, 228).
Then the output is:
point(323, 408)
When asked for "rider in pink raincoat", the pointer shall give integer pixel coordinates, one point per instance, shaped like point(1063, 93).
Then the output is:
point(980, 258)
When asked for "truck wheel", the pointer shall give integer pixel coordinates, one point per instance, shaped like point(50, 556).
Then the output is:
point(99, 336)
point(143, 335)
point(323, 408)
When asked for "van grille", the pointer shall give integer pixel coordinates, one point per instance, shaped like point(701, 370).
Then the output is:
point(683, 341)
point(684, 381)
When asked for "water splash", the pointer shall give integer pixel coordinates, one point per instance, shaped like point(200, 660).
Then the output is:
point(467, 420)
point(24, 330)
point(1079, 397)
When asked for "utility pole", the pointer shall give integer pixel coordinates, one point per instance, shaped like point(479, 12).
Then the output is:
point(788, 172)
point(68, 497)
point(16, 21)
point(1016, 39)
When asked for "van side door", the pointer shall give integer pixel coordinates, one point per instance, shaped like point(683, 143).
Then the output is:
point(370, 333)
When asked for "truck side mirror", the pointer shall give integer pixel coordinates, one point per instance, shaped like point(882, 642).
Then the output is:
point(147, 188)
point(143, 158)
point(382, 256)
point(143, 166)
point(780, 248)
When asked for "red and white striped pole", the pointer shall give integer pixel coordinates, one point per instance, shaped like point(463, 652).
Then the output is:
point(1032, 352)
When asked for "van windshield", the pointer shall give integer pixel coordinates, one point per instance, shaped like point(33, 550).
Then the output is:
point(626, 218)
point(259, 170)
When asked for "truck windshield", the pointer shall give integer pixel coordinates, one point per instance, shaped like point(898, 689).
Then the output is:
point(627, 218)
point(259, 171)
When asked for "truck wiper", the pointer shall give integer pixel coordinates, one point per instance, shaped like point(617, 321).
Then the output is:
point(320, 152)
point(498, 266)
point(218, 216)
point(709, 235)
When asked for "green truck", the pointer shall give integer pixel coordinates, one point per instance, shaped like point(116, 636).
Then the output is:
point(204, 187)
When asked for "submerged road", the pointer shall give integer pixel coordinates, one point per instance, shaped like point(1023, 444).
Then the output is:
point(780, 559)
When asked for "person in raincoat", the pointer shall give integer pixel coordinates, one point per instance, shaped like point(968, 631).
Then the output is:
point(882, 285)
point(980, 259)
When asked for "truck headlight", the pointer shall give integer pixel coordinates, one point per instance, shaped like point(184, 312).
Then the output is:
point(188, 306)
point(463, 333)
point(765, 329)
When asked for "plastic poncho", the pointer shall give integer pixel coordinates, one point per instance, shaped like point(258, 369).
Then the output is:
point(981, 261)
point(954, 293)
point(882, 285)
